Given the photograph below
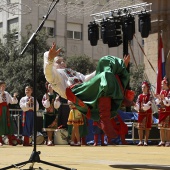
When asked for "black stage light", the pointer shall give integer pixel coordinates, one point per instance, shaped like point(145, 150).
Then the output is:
point(93, 33)
point(104, 31)
point(144, 23)
point(113, 32)
point(129, 27)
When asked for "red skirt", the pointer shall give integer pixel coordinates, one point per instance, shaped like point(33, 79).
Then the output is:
point(144, 120)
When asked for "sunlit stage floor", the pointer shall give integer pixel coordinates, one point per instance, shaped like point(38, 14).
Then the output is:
point(120, 157)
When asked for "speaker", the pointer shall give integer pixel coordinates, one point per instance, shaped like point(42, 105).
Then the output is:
point(133, 132)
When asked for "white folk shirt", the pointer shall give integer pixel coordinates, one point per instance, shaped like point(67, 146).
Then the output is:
point(25, 107)
point(8, 98)
point(59, 79)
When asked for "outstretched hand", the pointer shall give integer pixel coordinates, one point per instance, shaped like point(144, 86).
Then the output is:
point(126, 59)
point(53, 52)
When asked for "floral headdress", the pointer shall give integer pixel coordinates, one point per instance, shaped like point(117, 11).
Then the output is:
point(165, 80)
point(147, 84)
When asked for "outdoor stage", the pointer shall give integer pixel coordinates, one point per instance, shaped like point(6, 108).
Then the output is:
point(91, 158)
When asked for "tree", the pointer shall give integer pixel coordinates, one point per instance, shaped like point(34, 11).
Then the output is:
point(17, 70)
point(136, 79)
point(82, 64)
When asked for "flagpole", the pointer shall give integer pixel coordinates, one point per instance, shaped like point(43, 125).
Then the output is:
point(161, 63)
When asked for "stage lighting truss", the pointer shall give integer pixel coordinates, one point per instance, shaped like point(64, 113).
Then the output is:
point(125, 11)
point(113, 21)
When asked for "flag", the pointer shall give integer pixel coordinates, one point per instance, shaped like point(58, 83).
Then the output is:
point(161, 65)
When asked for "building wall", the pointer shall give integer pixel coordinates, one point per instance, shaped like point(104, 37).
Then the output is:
point(160, 11)
point(71, 47)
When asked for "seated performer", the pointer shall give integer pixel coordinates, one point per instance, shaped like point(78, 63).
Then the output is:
point(163, 102)
point(50, 102)
point(97, 95)
point(143, 107)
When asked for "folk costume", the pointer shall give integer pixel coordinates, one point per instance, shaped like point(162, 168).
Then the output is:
point(163, 103)
point(144, 103)
point(27, 118)
point(164, 110)
point(144, 108)
point(75, 117)
point(51, 112)
point(120, 127)
point(99, 96)
point(6, 122)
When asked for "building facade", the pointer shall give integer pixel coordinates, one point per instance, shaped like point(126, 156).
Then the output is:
point(71, 33)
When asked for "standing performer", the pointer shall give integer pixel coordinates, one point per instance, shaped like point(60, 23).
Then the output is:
point(27, 105)
point(6, 123)
point(97, 95)
point(143, 107)
point(163, 102)
point(51, 102)
point(75, 119)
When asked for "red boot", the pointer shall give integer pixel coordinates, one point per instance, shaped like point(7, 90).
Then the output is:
point(1, 142)
point(12, 141)
point(83, 141)
point(105, 117)
point(95, 140)
point(102, 140)
point(26, 141)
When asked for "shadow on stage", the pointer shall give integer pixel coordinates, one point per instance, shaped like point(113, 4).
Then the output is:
point(139, 166)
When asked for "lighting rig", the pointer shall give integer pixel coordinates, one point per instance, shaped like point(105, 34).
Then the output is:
point(118, 26)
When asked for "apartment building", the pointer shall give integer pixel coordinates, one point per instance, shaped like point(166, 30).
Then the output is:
point(71, 32)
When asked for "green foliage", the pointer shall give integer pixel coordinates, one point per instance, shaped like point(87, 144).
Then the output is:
point(136, 79)
point(82, 64)
point(17, 70)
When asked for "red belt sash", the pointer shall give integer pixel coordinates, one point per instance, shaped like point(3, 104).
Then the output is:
point(24, 116)
point(4, 104)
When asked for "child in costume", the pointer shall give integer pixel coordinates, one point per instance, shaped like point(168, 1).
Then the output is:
point(51, 102)
point(6, 123)
point(75, 119)
point(27, 105)
point(143, 107)
point(97, 95)
point(98, 132)
point(163, 102)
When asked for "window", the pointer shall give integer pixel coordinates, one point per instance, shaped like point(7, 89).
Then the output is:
point(48, 28)
point(13, 26)
point(74, 31)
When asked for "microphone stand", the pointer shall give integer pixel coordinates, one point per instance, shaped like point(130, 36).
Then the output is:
point(35, 155)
